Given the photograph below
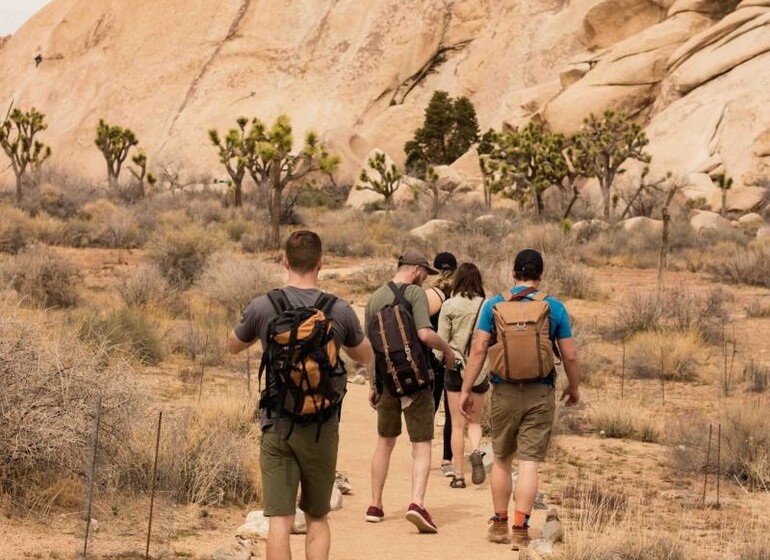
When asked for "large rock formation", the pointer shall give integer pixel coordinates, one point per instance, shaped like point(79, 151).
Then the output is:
point(361, 73)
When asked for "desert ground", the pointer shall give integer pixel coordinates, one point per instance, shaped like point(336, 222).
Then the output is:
point(617, 496)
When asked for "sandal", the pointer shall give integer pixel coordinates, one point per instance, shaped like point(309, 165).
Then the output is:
point(457, 482)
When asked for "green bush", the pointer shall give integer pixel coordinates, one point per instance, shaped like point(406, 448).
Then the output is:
point(122, 331)
point(181, 255)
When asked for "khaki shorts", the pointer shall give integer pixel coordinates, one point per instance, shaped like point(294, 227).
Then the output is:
point(418, 416)
point(521, 417)
point(300, 460)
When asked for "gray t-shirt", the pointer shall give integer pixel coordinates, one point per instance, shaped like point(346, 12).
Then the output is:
point(254, 322)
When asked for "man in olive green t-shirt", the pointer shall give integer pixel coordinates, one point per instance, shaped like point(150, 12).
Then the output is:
point(417, 408)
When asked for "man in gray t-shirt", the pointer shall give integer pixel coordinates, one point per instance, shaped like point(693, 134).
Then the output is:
point(303, 454)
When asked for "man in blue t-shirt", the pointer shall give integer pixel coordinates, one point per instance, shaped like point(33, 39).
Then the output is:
point(521, 413)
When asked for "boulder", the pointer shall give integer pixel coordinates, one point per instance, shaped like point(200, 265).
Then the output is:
point(300, 525)
point(255, 527)
point(703, 220)
point(763, 232)
point(698, 185)
point(552, 528)
point(359, 196)
point(751, 219)
point(643, 224)
point(357, 379)
point(342, 483)
point(739, 199)
point(611, 21)
point(235, 551)
point(432, 228)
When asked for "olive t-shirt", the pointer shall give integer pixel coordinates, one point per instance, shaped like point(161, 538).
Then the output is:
point(415, 295)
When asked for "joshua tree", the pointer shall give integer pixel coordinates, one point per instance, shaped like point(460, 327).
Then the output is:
point(724, 183)
point(523, 163)
point(17, 138)
point(140, 173)
point(604, 145)
point(385, 182)
point(269, 161)
point(232, 154)
point(114, 142)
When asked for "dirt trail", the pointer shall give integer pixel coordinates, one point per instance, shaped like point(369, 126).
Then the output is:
point(461, 514)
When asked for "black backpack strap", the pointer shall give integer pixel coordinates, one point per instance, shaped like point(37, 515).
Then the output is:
point(279, 300)
point(325, 302)
point(399, 293)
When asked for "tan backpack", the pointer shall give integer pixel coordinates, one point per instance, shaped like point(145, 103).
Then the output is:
point(522, 350)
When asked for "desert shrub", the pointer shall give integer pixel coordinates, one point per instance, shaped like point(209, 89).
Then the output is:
point(257, 241)
point(181, 255)
point(206, 456)
point(743, 265)
point(623, 419)
point(235, 229)
point(205, 211)
point(637, 247)
point(116, 225)
point(329, 196)
point(372, 276)
point(596, 507)
point(757, 375)
point(756, 309)
point(146, 287)
point(51, 385)
point(75, 232)
point(15, 230)
point(345, 238)
point(632, 545)
point(125, 331)
point(233, 283)
point(676, 309)
point(676, 352)
point(570, 278)
point(43, 279)
point(746, 444)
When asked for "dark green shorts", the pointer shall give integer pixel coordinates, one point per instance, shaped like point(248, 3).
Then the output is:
point(521, 418)
point(301, 460)
point(418, 416)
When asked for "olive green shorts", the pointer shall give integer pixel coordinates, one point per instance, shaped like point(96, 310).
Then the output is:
point(418, 416)
point(300, 460)
point(521, 417)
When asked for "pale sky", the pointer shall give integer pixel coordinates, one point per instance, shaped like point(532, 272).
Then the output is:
point(13, 13)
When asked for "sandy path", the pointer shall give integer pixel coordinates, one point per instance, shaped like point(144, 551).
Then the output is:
point(461, 514)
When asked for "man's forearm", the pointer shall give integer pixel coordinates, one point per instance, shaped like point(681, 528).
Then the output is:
point(572, 370)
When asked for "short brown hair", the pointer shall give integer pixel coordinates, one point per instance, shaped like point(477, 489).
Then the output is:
point(303, 250)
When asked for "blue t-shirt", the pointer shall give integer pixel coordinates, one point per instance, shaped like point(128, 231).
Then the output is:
point(557, 315)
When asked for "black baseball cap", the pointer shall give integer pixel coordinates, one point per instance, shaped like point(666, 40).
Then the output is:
point(445, 261)
point(528, 260)
point(415, 257)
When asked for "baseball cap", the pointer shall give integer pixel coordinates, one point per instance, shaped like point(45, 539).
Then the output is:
point(445, 261)
point(530, 260)
point(415, 257)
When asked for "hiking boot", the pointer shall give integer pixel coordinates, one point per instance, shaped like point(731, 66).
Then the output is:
point(498, 530)
point(421, 519)
point(374, 514)
point(447, 469)
point(519, 537)
point(478, 474)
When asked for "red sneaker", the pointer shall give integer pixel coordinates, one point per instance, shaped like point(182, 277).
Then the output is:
point(421, 519)
point(374, 514)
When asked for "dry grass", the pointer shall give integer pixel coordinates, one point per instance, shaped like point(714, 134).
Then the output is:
point(743, 265)
point(42, 279)
point(625, 419)
point(124, 332)
point(746, 447)
point(372, 276)
point(673, 355)
point(757, 375)
point(15, 230)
